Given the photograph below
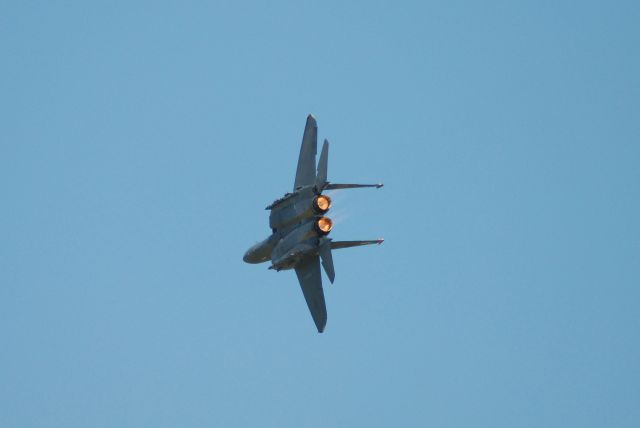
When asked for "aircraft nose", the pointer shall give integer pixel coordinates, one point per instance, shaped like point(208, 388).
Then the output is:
point(250, 256)
point(255, 254)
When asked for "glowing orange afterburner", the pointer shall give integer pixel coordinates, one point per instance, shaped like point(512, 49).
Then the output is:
point(322, 203)
point(324, 225)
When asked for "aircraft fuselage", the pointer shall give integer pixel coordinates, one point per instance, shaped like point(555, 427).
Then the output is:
point(298, 225)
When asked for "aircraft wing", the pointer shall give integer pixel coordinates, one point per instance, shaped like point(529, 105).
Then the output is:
point(306, 172)
point(308, 272)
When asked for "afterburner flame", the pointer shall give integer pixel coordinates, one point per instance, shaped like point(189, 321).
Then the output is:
point(324, 224)
point(322, 203)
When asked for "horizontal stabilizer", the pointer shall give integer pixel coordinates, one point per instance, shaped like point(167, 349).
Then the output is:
point(321, 177)
point(336, 245)
point(332, 186)
point(327, 259)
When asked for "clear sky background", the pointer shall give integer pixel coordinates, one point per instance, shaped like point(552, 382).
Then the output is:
point(141, 141)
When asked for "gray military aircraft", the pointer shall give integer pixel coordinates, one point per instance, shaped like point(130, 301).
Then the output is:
point(299, 226)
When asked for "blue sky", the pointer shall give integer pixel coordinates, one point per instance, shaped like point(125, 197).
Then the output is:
point(141, 141)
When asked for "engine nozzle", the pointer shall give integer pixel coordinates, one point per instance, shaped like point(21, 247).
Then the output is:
point(324, 225)
point(321, 204)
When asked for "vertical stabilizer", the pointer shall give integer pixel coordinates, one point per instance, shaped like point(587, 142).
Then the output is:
point(333, 186)
point(336, 245)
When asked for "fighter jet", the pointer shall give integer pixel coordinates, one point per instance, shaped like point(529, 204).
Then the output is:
point(299, 226)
